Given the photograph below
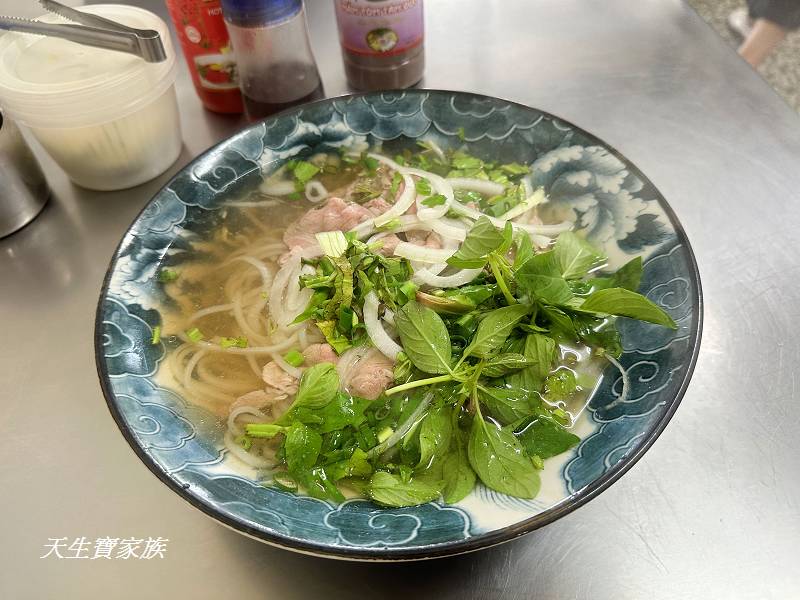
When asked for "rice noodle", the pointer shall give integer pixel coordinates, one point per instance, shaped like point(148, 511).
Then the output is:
point(441, 186)
point(204, 312)
point(277, 188)
point(251, 411)
point(375, 329)
point(482, 186)
point(250, 459)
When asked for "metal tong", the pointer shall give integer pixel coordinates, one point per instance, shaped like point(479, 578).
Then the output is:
point(92, 31)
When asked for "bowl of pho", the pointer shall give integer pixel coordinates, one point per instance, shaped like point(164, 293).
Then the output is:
point(393, 326)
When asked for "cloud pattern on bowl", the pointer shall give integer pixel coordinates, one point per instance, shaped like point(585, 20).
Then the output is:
point(587, 182)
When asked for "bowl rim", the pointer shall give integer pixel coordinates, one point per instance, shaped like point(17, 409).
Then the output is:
point(471, 544)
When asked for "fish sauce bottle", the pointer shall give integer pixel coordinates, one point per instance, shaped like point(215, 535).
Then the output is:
point(382, 42)
point(273, 53)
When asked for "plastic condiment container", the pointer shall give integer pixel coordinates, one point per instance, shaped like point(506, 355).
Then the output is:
point(383, 42)
point(109, 119)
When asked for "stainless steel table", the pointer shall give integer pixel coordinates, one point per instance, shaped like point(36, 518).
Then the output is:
point(712, 510)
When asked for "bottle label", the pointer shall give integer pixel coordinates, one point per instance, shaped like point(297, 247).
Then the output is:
point(380, 27)
point(205, 43)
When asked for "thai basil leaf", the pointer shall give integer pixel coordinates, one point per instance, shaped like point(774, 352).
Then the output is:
point(625, 303)
point(434, 436)
point(560, 321)
point(505, 404)
point(390, 490)
point(356, 466)
point(342, 411)
point(483, 239)
point(301, 449)
point(459, 478)
point(560, 384)
point(544, 437)
point(500, 461)
point(541, 351)
point(319, 484)
point(502, 364)
point(318, 386)
point(575, 256)
point(494, 329)
point(628, 277)
point(541, 276)
point(524, 250)
point(424, 337)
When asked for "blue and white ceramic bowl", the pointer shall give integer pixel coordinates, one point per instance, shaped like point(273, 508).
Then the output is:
point(591, 183)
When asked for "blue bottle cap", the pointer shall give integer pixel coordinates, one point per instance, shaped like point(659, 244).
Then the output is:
point(259, 12)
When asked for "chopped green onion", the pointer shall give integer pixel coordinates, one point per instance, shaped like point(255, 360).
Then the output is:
point(194, 334)
point(294, 358)
point(264, 295)
point(167, 275)
point(435, 200)
point(244, 441)
point(515, 169)
point(290, 165)
point(333, 243)
point(263, 430)
point(238, 342)
point(385, 434)
point(370, 163)
point(400, 160)
point(156, 335)
point(461, 134)
point(294, 196)
point(423, 187)
point(537, 462)
point(397, 179)
point(304, 171)
point(389, 225)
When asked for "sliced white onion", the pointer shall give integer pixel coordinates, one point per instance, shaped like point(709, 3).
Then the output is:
point(441, 186)
point(422, 254)
point(375, 330)
point(449, 229)
point(407, 196)
point(529, 203)
point(316, 192)
point(266, 276)
point(445, 281)
point(482, 186)
point(465, 210)
point(277, 188)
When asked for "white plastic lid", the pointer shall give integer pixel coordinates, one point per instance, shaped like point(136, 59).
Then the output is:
point(50, 82)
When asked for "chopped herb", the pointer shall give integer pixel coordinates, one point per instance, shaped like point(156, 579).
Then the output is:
point(294, 358)
point(230, 342)
point(156, 338)
point(167, 275)
point(423, 186)
point(304, 171)
point(460, 133)
point(194, 334)
point(435, 200)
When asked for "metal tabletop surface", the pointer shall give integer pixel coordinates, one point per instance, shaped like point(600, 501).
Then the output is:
point(711, 511)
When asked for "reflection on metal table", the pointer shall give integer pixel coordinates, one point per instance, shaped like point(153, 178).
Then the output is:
point(712, 510)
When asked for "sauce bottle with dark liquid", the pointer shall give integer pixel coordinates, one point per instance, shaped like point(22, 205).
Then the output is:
point(276, 67)
point(382, 42)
